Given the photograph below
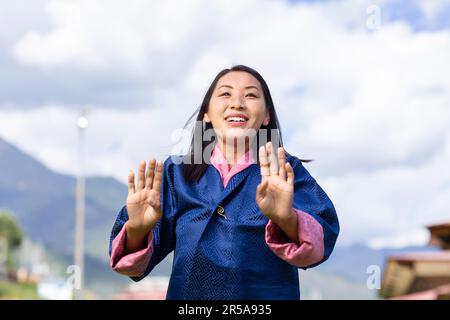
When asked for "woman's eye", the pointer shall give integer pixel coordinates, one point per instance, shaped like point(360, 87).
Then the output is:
point(252, 95)
point(223, 94)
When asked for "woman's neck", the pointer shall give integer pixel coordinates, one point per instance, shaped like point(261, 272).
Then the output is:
point(233, 151)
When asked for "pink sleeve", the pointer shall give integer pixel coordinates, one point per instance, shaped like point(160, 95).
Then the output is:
point(310, 247)
point(133, 264)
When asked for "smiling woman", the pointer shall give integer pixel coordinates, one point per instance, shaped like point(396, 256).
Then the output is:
point(239, 227)
point(242, 92)
point(238, 102)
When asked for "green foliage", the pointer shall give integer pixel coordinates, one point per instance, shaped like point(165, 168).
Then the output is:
point(10, 237)
point(10, 230)
point(12, 290)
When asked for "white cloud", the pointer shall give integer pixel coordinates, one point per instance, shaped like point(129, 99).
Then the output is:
point(370, 106)
point(412, 238)
point(115, 141)
point(392, 203)
point(432, 9)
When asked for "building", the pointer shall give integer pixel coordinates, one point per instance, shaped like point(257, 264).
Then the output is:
point(424, 275)
point(149, 288)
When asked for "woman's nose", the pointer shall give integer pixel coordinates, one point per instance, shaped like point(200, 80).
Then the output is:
point(237, 103)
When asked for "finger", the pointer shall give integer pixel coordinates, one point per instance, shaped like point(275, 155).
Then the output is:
point(282, 162)
point(261, 190)
point(150, 174)
point(158, 177)
point(141, 175)
point(272, 160)
point(263, 163)
point(131, 183)
point(290, 173)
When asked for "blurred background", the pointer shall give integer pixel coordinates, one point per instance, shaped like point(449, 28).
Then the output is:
point(90, 88)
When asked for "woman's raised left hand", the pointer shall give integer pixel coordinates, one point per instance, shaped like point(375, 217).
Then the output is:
point(275, 192)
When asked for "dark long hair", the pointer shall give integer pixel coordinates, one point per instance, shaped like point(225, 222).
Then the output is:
point(193, 171)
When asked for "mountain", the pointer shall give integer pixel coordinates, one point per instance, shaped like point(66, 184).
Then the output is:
point(344, 275)
point(351, 262)
point(43, 202)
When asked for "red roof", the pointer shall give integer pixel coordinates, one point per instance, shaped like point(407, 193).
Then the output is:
point(438, 293)
point(142, 295)
point(435, 256)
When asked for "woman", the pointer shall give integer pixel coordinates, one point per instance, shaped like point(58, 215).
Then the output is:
point(239, 227)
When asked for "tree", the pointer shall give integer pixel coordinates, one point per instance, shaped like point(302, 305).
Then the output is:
point(10, 238)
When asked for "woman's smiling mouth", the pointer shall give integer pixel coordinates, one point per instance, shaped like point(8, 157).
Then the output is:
point(236, 119)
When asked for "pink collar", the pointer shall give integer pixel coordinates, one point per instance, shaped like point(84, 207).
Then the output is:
point(219, 161)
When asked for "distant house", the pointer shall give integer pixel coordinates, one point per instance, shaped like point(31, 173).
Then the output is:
point(425, 275)
point(150, 288)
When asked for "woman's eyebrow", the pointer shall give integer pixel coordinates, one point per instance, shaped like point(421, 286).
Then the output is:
point(231, 87)
point(225, 85)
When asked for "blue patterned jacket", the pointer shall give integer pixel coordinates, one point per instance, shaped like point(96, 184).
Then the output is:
point(218, 258)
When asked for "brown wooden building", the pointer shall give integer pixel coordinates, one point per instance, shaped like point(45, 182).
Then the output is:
point(424, 275)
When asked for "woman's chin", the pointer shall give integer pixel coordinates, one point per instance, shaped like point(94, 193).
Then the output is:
point(239, 134)
point(239, 131)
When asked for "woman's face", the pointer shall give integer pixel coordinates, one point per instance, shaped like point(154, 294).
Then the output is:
point(237, 106)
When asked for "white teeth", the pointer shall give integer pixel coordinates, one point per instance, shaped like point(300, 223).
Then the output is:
point(236, 119)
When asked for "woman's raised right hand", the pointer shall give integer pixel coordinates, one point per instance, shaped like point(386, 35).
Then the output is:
point(144, 203)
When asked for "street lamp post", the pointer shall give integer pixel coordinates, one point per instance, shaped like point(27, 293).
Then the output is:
point(80, 208)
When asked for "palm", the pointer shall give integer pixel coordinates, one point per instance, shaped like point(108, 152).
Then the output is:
point(275, 192)
point(144, 204)
point(279, 193)
point(139, 204)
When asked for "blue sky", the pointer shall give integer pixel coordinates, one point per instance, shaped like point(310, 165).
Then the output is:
point(421, 15)
point(370, 105)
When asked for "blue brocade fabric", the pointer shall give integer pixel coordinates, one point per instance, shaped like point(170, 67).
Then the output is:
point(228, 259)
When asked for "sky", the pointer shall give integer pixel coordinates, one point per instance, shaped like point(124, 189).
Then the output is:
point(362, 87)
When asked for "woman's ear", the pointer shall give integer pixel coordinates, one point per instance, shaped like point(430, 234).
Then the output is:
point(206, 118)
point(266, 120)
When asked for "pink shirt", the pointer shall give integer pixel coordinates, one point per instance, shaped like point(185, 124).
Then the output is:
point(219, 162)
point(308, 250)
